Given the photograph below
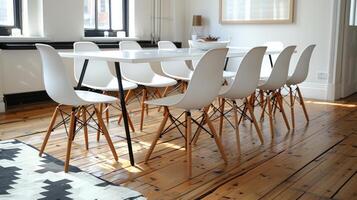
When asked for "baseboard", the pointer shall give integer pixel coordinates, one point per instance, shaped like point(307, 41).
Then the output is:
point(25, 98)
point(2, 107)
point(314, 90)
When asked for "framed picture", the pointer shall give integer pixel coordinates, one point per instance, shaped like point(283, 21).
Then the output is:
point(256, 11)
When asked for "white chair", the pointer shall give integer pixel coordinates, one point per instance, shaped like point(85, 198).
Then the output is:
point(244, 85)
point(59, 88)
point(143, 75)
point(196, 97)
point(300, 74)
point(175, 69)
point(271, 86)
point(98, 76)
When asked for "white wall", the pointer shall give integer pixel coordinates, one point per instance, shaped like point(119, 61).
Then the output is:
point(312, 25)
point(62, 20)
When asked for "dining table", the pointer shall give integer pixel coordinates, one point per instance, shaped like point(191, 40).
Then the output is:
point(146, 56)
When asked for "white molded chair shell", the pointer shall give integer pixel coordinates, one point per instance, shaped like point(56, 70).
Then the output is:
point(174, 69)
point(302, 68)
point(204, 85)
point(279, 73)
point(98, 75)
point(57, 84)
point(247, 77)
point(142, 73)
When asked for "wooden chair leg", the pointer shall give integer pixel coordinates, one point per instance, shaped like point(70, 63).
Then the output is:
point(143, 109)
point(131, 123)
point(281, 106)
point(49, 130)
point(199, 129)
point(106, 109)
point(70, 140)
point(105, 133)
point(85, 128)
point(262, 115)
point(216, 137)
point(270, 113)
point(236, 125)
point(157, 137)
point(223, 101)
point(164, 95)
point(302, 103)
point(127, 97)
point(100, 111)
point(189, 145)
point(107, 113)
point(261, 95)
point(257, 128)
point(198, 133)
point(252, 100)
point(292, 102)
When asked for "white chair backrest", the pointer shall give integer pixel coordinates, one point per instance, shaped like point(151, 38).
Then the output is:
point(302, 67)
point(248, 74)
point(173, 68)
point(141, 72)
point(206, 80)
point(279, 73)
point(98, 72)
point(56, 81)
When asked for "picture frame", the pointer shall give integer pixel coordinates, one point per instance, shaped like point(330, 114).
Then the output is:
point(260, 12)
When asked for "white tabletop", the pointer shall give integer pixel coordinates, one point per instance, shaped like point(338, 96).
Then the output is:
point(153, 55)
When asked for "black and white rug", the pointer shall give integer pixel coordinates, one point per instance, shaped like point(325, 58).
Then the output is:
point(25, 175)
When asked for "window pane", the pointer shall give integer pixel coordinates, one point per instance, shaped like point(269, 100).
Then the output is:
point(7, 13)
point(353, 13)
point(103, 14)
point(89, 14)
point(117, 14)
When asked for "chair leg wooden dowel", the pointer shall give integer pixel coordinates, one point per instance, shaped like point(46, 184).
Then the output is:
point(257, 128)
point(302, 103)
point(70, 140)
point(49, 130)
point(143, 109)
point(158, 134)
point(223, 101)
point(189, 145)
point(236, 125)
point(216, 137)
point(85, 128)
point(100, 111)
point(281, 106)
point(270, 113)
point(131, 123)
point(292, 113)
point(106, 134)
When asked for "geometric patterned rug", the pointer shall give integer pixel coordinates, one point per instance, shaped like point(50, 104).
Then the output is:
point(25, 175)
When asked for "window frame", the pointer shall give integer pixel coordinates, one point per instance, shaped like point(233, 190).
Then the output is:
point(112, 33)
point(6, 30)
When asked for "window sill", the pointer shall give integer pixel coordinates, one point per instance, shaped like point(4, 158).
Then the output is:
point(23, 39)
point(109, 39)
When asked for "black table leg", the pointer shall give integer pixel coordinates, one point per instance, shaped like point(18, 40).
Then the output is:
point(226, 64)
point(84, 68)
point(271, 61)
point(124, 112)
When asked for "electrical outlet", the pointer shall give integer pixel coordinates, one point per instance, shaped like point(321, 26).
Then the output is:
point(322, 76)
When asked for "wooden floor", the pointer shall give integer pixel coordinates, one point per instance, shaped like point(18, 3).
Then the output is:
point(316, 161)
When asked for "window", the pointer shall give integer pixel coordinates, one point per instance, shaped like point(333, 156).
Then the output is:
point(10, 16)
point(101, 16)
point(353, 13)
